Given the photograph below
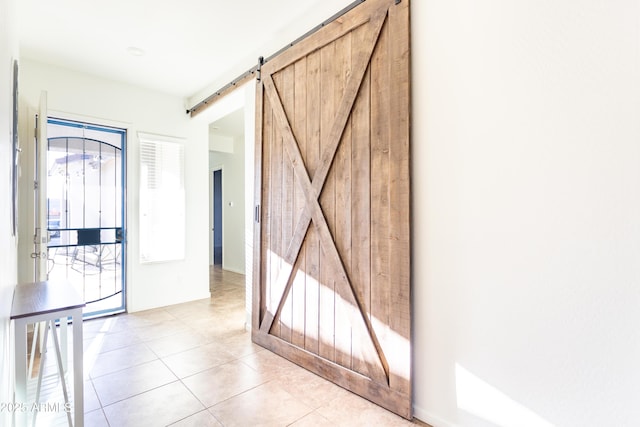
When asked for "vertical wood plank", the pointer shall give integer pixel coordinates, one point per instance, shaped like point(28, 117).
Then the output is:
point(277, 167)
point(267, 184)
point(312, 243)
point(361, 199)
point(300, 131)
point(286, 89)
point(400, 218)
point(380, 273)
point(327, 201)
point(342, 230)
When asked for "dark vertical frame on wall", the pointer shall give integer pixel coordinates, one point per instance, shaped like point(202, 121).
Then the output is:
point(14, 150)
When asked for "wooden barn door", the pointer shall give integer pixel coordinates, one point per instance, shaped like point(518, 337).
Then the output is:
point(332, 253)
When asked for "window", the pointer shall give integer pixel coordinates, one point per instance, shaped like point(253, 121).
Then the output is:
point(162, 198)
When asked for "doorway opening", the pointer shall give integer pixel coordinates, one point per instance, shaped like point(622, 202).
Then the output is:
point(227, 192)
point(230, 123)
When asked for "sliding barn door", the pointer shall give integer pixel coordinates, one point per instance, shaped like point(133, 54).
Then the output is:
point(332, 263)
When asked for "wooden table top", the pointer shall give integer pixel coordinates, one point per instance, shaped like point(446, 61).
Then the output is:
point(31, 299)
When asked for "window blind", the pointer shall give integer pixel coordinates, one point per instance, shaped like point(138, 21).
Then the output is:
point(162, 198)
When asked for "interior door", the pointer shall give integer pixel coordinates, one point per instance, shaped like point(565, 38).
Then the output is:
point(217, 217)
point(332, 253)
point(41, 235)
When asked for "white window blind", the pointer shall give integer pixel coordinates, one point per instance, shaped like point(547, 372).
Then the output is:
point(162, 198)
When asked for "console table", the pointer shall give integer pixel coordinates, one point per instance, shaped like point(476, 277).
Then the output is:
point(46, 301)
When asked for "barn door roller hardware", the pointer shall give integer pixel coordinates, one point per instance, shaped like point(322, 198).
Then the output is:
point(260, 64)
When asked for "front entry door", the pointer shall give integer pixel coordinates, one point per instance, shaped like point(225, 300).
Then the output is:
point(332, 250)
point(85, 205)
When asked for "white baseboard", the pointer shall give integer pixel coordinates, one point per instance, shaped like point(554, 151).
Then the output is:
point(233, 270)
point(131, 308)
point(430, 419)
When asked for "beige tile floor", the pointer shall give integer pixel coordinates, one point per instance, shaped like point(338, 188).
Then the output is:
point(194, 364)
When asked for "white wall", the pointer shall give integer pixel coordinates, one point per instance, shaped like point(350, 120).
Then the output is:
point(249, 185)
point(79, 96)
point(526, 206)
point(8, 271)
point(220, 143)
point(233, 204)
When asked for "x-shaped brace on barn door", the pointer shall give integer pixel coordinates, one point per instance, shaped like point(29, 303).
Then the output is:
point(377, 366)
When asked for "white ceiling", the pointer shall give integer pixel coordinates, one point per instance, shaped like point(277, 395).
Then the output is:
point(192, 47)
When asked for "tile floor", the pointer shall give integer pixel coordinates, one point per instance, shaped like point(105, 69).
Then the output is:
point(194, 364)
